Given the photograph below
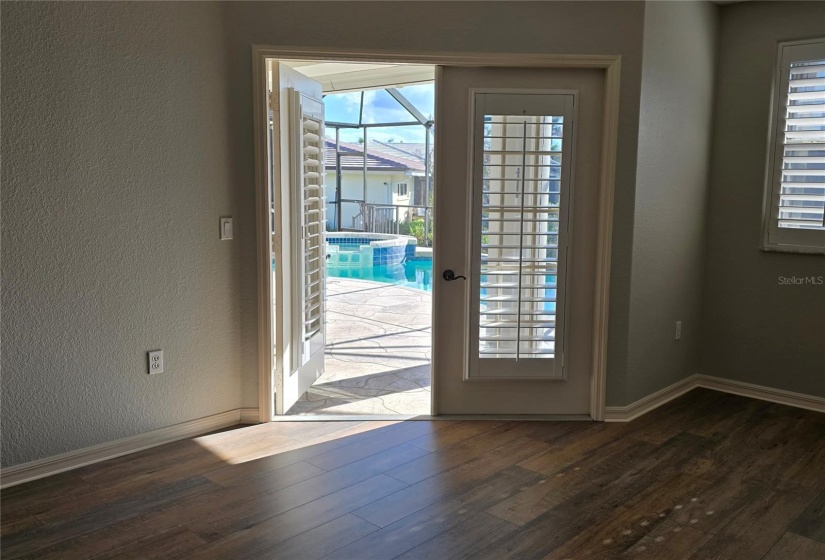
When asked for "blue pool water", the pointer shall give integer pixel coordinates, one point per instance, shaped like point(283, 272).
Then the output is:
point(416, 273)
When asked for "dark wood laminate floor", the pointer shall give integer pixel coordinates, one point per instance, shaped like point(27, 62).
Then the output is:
point(707, 476)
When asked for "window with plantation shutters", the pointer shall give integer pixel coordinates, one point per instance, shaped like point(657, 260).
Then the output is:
point(309, 207)
point(795, 213)
point(521, 199)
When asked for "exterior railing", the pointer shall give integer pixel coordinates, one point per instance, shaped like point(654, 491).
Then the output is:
point(403, 220)
point(398, 219)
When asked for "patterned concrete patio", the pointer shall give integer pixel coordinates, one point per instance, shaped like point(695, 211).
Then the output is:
point(378, 352)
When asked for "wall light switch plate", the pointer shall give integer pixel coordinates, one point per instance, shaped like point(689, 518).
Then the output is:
point(155, 362)
point(678, 333)
point(226, 229)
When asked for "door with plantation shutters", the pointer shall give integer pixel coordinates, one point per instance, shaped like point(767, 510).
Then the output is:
point(520, 151)
point(795, 213)
point(298, 214)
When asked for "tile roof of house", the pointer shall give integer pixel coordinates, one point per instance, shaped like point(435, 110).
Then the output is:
point(352, 158)
point(406, 150)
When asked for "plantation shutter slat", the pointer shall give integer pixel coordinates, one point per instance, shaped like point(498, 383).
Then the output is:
point(310, 217)
point(795, 208)
point(801, 201)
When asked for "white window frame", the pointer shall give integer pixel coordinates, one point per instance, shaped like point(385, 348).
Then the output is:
point(401, 189)
point(774, 237)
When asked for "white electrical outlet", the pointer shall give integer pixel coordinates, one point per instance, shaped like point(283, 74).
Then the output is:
point(678, 333)
point(155, 362)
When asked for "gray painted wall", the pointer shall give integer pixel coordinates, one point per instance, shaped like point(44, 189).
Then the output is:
point(116, 167)
point(754, 329)
point(671, 198)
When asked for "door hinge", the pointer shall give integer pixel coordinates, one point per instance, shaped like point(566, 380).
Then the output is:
point(273, 101)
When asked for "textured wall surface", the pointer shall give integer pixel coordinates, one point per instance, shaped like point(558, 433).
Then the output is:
point(671, 197)
point(116, 167)
point(755, 329)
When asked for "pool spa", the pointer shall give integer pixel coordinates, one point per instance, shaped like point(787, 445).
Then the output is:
point(379, 257)
point(345, 249)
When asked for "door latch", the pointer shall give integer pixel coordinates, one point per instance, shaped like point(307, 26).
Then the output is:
point(449, 276)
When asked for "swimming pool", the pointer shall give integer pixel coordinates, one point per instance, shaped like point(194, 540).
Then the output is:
point(414, 273)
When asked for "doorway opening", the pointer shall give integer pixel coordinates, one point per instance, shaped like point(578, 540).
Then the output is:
point(361, 215)
point(292, 346)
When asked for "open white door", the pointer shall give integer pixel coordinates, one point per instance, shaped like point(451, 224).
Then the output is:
point(298, 227)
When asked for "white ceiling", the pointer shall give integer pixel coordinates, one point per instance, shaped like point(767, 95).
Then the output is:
point(352, 76)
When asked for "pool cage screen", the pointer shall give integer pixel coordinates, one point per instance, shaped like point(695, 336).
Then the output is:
point(381, 217)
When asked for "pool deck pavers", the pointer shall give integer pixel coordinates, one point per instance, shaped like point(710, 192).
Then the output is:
point(378, 352)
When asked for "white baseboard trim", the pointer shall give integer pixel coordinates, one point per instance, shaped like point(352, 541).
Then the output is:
point(779, 396)
point(650, 402)
point(41, 468)
point(249, 416)
point(657, 399)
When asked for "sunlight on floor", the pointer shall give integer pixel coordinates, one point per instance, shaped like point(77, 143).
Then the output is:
point(276, 438)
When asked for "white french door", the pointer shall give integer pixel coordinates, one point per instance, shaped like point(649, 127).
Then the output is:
point(298, 225)
point(519, 171)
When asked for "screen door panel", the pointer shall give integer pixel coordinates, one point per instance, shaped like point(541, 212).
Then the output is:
point(522, 145)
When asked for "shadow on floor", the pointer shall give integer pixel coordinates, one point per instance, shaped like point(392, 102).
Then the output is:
point(378, 352)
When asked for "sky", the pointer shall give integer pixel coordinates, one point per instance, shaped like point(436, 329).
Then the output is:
point(379, 106)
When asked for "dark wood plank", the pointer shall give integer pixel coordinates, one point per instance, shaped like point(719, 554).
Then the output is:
point(454, 434)
point(605, 493)
point(30, 499)
point(669, 540)
point(320, 541)
point(709, 507)
point(757, 527)
point(462, 540)
point(553, 490)
point(19, 525)
point(128, 507)
point(809, 475)
point(457, 455)
point(249, 512)
point(609, 537)
point(413, 530)
point(246, 540)
point(459, 479)
point(795, 547)
point(377, 443)
point(173, 543)
point(229, 475)
point(811, 523)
